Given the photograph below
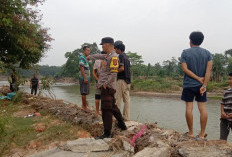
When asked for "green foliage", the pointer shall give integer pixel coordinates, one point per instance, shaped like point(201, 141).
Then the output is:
point(218, 71)
point(19, 97)
point(23, 41)
point(156, 84)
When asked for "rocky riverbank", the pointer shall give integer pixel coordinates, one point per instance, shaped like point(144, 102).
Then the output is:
point(147, 140)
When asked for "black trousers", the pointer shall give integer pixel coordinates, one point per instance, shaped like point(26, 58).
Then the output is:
point(225, 127)
point(109, 108)
point(34, 90)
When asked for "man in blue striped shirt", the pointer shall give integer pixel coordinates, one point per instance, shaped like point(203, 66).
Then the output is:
point(226, 112)
point(84, 76)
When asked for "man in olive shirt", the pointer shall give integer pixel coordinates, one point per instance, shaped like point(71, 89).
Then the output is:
point(107, 83)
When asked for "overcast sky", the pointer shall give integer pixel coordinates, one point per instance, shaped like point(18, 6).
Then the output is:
point(155, 29)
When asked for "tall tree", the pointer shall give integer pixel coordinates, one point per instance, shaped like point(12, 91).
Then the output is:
point(23, 41)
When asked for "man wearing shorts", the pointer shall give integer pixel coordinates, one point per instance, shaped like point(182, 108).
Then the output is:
point(196, 63)
point(96, 72)
point(84, 76)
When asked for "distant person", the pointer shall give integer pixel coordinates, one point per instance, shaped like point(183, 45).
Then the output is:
point(34, 85)
point(13, 83)
point(196, 63)
point(84, 76)
point(107, 83)
point(123, 80)
point(226, 112)
point(96, 72)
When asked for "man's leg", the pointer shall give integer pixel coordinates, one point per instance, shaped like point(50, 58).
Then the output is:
point(32, 90)
point(97, 103)
point(106, 107)
point(118, 94)
point(224, 129)
point(35, 90)
point(126, 100)
point(203, 118)
point(84, 102)
point(117, 114)
point(189, 117)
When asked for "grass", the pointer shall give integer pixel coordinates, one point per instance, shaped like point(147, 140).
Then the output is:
point(156, 85)
point(19, 131)
point(164, 85)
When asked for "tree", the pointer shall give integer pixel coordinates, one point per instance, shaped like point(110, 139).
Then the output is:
point(218, 71)
point(23, 41)
point(136, 64)
point(135, 59)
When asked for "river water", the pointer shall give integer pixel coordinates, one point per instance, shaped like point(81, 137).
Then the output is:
point(168, 112)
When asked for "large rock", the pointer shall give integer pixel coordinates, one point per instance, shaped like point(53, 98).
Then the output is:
point(204, 152)
point(128, 147)
point(154, 152)
point(212, 148)
point(87, 145)
point(132, 124)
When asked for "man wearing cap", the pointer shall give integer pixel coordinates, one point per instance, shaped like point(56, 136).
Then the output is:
point(123, 80)
point(107, 83)
point(84, 76)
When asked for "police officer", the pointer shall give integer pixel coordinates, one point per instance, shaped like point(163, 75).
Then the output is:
point(107, 83)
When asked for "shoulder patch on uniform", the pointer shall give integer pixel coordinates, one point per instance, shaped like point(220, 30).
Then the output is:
point(114, 65)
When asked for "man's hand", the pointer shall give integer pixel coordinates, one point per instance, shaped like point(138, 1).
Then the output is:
point(229, 115)
point(201, 80)
point(104, 86)
point(202, 90)
point(86, 81)
point(87, 58)
point(224, 116)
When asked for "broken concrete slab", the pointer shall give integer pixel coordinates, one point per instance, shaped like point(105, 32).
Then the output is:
point(128, 147)
point(84, 145)
point(154, 152)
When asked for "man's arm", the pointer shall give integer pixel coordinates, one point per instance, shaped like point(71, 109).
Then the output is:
point(207, 77)
point(121, 69)
point(223, 114)
point(190, 73)
point(95, 74)
point(83, 74)
point(96, 57)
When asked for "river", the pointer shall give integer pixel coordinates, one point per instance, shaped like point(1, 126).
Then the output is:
point(167, 112)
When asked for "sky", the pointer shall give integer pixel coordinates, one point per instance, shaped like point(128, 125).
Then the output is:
point(156, 29)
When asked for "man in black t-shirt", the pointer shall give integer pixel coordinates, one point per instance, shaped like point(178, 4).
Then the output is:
point(34, 84)
point(123, 80)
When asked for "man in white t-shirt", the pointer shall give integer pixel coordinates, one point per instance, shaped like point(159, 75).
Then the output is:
point(96, 72)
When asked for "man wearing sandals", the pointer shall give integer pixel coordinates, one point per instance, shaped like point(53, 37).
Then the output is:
point(196, 63)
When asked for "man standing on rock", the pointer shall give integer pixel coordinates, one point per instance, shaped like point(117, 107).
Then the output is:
point(107, 83)
point(123, 80)
point(196, 63)
point(84, 76)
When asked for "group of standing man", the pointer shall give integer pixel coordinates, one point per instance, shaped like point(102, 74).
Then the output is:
point(112, 73)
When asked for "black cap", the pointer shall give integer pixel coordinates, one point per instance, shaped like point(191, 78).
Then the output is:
point(107, 40)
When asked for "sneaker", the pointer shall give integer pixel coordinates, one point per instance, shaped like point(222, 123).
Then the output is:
point(102, 137)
